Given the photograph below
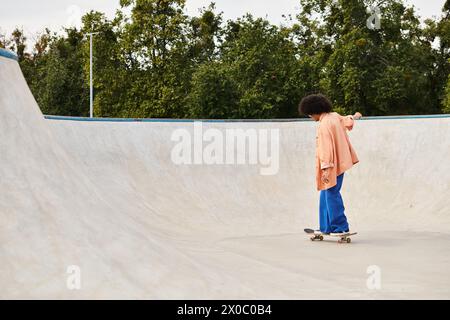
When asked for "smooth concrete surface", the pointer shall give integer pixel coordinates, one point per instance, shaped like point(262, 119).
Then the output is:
point(106, 197)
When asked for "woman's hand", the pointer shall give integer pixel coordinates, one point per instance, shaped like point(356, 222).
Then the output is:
point(357, 116)
point(325, 176)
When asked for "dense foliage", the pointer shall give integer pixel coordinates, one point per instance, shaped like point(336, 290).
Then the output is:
point(159, 62)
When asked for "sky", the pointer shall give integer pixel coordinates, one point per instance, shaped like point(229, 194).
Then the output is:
point(34, 15)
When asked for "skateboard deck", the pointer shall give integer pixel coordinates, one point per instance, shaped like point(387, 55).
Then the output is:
point(317, 235)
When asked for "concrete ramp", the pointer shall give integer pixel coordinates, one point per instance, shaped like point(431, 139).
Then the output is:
point(100, 210)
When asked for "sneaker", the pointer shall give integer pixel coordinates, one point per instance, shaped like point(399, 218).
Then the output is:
point(339, 233)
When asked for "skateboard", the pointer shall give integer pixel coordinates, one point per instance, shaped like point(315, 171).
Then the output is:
point(317, 235)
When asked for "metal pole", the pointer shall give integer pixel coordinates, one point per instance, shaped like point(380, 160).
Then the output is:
point(91, 81)
point(91, 73)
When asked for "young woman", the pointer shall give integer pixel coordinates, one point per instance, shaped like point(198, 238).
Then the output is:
point(334, 156)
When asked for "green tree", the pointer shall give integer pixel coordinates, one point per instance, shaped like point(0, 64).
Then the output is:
point(112, 71)
point(443, 33)
point(205, 34)
point(385, 71)
point(446, 100)
point(4, 41)
point(57, 79)
point(158, 62)
point(160, 68)
point(19, 43)
point(255, 76)
point(214, 93)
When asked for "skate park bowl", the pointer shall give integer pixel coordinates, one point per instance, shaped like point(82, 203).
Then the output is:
point(99, 209)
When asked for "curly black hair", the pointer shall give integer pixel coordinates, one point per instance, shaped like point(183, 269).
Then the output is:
point(314, 104)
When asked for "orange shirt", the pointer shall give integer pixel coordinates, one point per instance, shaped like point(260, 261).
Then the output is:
point(334, 149)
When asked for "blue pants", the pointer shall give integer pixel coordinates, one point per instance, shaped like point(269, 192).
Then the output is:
point(331, 210)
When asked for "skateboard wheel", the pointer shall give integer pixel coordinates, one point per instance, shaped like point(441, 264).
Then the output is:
point(321, 238)
point(313, 238)
point(349, 240)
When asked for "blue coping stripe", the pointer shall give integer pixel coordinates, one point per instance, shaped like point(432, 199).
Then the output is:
point(83, 119)
point(8, 54)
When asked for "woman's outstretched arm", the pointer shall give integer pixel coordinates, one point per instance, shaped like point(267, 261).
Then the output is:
point(349, 121)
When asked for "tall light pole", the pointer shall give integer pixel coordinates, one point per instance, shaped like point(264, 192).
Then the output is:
point(91, 98)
